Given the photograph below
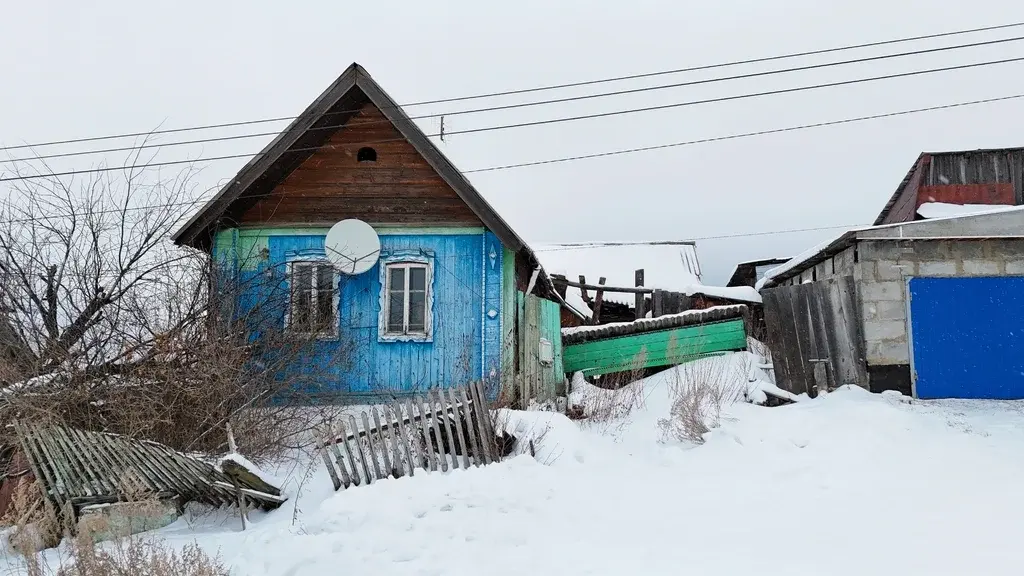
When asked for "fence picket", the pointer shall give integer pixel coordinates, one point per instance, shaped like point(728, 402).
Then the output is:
point(436, 426)
point(403, 434)
point(459, 419)
point(480, 411)
point(359, 449)
point(324, 452)
point(471, 426)
point(383, 443)
point(391, 427)
point(348, 452)
point(486, 423)
point(414, 430)
point(443, 404)
point(428, 446)
point(371, 451)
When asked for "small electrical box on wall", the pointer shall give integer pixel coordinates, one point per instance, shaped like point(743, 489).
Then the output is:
point(546, 352)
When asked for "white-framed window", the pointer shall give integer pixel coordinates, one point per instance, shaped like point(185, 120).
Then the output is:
point(313, 308)
point(406, 300)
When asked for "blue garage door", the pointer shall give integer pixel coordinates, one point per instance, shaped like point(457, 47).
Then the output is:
point(968, 337)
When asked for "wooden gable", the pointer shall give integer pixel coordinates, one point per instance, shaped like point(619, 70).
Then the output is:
point(399, 188)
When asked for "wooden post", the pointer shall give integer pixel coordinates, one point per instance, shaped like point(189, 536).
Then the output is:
point(584, 293)
point(638, 298)
point(598, 298)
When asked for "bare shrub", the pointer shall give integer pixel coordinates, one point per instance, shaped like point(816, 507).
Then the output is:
point(699, 389)
point(136, 556)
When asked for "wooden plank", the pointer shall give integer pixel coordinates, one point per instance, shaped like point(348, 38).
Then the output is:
point(823, 377)
point(37, 461)
point(346, 478)
point(598, 299)
point(449, 436)
point(436, 413)
point(403, 437)
point(392, 437)
point(428, 447)
point(82, 471)
point(805, 335)
point(638, 298)
point(468, 410)
point(483, 415)
point(460, 417)
point(388, 468)
point(582, 284)
point(348, 453)
point(101, 465)
point(370, 451)
point(414, 431)
point(61, 481)
point(359, 450)
point(791, 342)
point(848, 323)
point(324, 453)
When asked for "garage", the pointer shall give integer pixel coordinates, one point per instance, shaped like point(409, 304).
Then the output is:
point(967, 337)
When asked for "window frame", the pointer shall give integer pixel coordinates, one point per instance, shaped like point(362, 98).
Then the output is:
point(330, 333)
point(406, 262)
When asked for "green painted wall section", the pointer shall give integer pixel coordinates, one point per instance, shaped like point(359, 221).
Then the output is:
point(539, 318)
point(508, 322)
point(653, 349)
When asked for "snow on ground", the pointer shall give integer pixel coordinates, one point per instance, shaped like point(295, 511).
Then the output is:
point(849, 483)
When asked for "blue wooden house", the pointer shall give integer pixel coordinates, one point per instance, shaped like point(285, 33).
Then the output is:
point(456, 295)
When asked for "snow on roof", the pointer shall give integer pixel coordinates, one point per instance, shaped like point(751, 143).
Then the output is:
point(848, 235)
point(932, 210)
point(673, 267)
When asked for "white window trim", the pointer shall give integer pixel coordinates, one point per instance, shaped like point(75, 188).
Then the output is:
point(332, 334)
point(428, 313)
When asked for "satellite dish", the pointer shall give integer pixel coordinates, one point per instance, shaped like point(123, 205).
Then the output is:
point(352, 246)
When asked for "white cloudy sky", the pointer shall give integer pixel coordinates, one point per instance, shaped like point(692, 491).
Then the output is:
point(75, 69)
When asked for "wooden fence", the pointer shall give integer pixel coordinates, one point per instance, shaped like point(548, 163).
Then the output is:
point(440, 430)
point(76, 468)
point(814, 335)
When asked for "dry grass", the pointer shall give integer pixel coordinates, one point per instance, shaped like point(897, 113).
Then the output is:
point(699, 390)
point(137, 557)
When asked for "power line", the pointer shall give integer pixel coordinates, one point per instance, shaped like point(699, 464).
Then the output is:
point(556, 120)
point(612, 153)
point(750, 75)
point(544, 88)
point(746, 134)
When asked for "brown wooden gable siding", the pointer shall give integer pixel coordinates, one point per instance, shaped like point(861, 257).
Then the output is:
point(400, 188)
point(904, 209)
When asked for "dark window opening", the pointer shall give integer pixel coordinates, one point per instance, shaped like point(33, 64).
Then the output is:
point(366, 155)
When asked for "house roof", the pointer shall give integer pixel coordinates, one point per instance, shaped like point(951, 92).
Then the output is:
point(749, 267)
point(999, 222)
point(311, 129)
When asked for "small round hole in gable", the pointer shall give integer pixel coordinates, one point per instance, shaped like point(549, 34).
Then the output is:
point(366, 155)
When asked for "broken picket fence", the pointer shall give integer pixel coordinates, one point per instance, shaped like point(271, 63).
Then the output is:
point(440, 430)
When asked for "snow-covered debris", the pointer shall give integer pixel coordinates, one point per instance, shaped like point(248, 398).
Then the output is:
point(668, 320)
point(241, 462)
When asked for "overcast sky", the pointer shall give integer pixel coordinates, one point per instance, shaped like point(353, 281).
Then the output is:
point(74, 69)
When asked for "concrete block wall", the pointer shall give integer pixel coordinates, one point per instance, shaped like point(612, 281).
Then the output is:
point(882, 270)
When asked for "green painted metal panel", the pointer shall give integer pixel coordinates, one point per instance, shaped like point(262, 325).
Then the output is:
point(652, 349)
point(551, 329)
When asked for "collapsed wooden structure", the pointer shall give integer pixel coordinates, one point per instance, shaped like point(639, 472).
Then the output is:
point(76, 469)
point(431, 432)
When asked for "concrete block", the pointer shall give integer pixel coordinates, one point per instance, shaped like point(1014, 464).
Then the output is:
point(1006, 248)
point(936, 268)
point(980, 267)
point(878, 250)
point(931, 250)
point(1015, 267)
point(973, 249)
point(891, 310)
point(878, 330)
point(888, 352)
point(882, 291)
point(890, 270)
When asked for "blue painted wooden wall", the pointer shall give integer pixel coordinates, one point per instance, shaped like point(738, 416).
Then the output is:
point(467, 314)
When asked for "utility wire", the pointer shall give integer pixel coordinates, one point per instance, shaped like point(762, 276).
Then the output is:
point(531, 104)
point(544, 88)
point(602, 154)
point(562, 119)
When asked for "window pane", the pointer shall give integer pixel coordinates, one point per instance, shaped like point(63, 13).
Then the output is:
point(302, 296)
point(417, 278)
point(396, 312)
point(325, 298)
point(397, 279)
point(417, 309)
